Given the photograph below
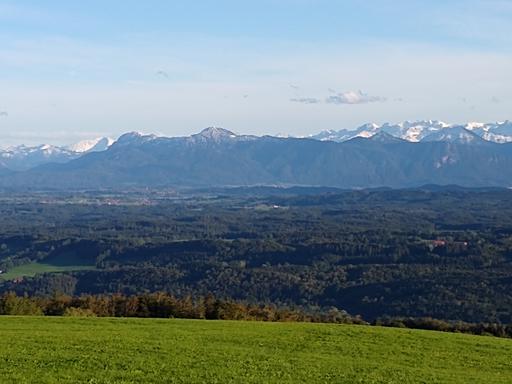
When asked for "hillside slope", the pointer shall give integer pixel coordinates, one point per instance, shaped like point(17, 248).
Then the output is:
point(70, 350)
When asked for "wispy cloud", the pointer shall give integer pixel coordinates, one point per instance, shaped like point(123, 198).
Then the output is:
point(306, 100)
point(353, 97)
point(349, 97)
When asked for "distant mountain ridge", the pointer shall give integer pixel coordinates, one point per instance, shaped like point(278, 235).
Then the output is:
point(401, 155)
point(216, 157)
point(22, 157)
point(416, 131)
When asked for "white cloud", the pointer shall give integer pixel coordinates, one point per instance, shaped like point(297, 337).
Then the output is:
point(353, 97)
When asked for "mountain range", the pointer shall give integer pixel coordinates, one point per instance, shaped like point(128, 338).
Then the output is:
point(436, 154)
point(22, 157)
point(500, 132)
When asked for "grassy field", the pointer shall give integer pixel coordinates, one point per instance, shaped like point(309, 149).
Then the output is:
point(62, 262)
point(32, 269)
point(85, 350)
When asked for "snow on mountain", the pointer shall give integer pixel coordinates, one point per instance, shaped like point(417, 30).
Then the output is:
point(214, 134)
point(217, 135)
point(367, 130)
point(133, 138)
point(217, 157)
point(415, 131)
point(500, 132)
point(94, 145)
point(457, 134)
point(22, 157)
point(410, 131)
point(332, 135)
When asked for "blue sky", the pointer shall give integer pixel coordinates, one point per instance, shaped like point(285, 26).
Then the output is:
point(71, 70)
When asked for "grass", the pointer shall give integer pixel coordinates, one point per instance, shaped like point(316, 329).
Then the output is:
point(96, 350)
point(32, 269)
point(64, 262)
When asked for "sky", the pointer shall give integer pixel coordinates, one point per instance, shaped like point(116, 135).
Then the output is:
point(72, 70)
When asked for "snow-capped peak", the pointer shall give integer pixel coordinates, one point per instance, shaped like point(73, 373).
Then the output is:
point(415, 131)
point(458, 134)
point(94, 145)
point(472, 125)
point(22, 157)
point(216, 133)
point(367, 130)
point(134, 138)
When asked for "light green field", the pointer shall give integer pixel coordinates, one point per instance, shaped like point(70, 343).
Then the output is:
point(32, 269)
point(85, 350)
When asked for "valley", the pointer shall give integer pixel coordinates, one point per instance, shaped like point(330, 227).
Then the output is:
point(430, 252)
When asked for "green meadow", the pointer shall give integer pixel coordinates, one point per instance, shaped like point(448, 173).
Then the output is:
point(105, 350)
point(32, 269)
point(62, 263)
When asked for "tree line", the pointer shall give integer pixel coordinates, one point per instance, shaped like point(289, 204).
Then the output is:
point(164, 305)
